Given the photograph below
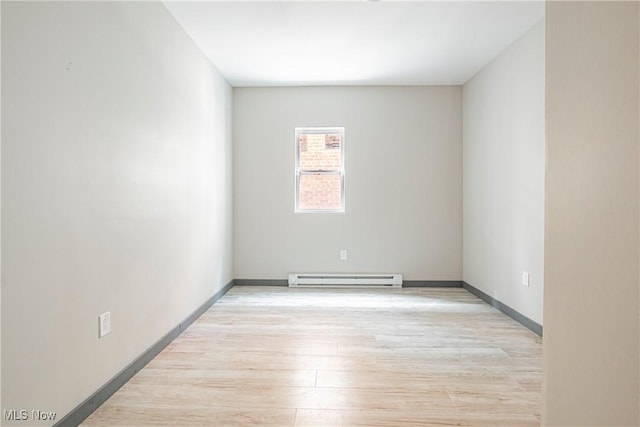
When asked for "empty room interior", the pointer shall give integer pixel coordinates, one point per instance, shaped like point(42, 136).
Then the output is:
point(320, 213)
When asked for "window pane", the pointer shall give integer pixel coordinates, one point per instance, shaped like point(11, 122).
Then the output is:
point(320, 151)
point(320, 191)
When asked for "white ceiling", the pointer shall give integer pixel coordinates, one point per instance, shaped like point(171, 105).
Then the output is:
point(292, 43)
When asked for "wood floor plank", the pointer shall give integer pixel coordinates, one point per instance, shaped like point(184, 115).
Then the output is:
point(462, 383)
point(276, 356)
point(384, 418)
point(111, 416)
point(225, 377)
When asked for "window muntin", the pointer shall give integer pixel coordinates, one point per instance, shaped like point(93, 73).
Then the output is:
point(320, 169)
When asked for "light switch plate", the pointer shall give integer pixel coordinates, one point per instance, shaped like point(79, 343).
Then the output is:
point(104, 324)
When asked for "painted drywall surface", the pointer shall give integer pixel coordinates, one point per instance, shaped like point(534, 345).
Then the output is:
point(403, 182)
point(591, 215)
point(115, 189)
point(503, 152)
point(0, 213)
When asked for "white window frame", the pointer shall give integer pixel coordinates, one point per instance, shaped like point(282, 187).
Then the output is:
point(299, 172)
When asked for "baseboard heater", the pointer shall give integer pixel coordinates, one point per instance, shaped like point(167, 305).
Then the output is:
point(345, 280)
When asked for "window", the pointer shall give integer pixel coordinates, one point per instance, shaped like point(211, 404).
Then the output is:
point(320, 169)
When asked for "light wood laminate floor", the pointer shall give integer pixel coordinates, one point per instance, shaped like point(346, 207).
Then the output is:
point(275, 356)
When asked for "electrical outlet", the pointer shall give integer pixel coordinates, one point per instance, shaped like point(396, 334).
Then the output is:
point(525, 278)
point(343, 254)
point(104, 324)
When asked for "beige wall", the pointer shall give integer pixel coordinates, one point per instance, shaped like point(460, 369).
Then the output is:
point(503, 152)
point(0, 215)
point(591, 215)
point(116, 188)
point(403, 160)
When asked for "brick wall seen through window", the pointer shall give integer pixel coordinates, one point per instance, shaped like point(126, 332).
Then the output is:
point(320, 169)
